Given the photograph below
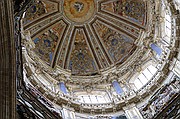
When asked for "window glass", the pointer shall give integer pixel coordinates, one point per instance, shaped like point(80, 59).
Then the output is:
point(157, 49)
point(147, 74)
point(152, 69)
point(101, 99)
point(143, 79)
point(168, 17)
point(94, 98)
point(81, 99)
point(86, 99)
point(138, 84)
point(167, 35)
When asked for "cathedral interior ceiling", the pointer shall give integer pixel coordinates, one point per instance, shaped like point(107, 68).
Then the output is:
point(89, 44)
point(85, 37)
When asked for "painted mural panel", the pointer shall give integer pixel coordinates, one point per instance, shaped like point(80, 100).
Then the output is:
point(81, 60)
point(118, 45)
point(38, 9)
point(45, 43)
point(133, 10)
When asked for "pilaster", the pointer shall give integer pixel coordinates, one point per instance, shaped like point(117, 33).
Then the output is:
point(7, 61)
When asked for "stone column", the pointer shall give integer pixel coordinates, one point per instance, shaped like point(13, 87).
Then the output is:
point(7, 61)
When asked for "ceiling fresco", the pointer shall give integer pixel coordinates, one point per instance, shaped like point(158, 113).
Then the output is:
point(85, 36)
point(38, 10)
point(118, 46)
point(79, 10)
point(133, 10)
point(81, 59)
point(45, 43)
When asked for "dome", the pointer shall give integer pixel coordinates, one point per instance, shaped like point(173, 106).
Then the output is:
point(97, 56)
point(86, 38)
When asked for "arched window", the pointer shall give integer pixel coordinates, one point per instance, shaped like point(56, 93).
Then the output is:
point(157, 49)
point(166, 28)
point(117, 87)
point(63, 87)
point(144, 77)
point(94, 98)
